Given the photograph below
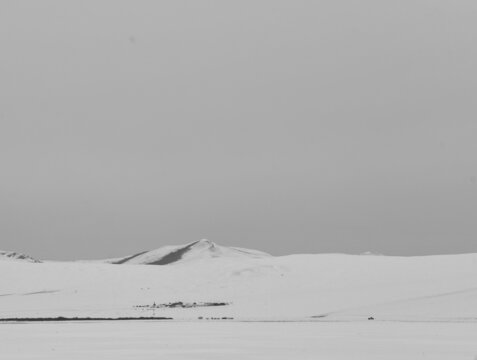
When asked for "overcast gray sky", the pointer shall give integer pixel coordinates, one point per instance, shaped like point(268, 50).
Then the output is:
point(286, 126)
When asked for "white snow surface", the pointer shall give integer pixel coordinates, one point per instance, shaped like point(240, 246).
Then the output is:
point(154, 340)
point(324, 287)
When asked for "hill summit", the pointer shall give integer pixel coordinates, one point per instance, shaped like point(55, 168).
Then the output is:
point(197, 250)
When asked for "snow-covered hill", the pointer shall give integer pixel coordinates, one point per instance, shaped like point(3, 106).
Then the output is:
point(197, 250)
point(14, 256)
point(321, 287)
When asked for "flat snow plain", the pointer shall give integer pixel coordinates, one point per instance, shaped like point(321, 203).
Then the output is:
point(239, 340)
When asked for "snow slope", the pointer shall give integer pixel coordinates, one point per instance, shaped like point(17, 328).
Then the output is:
point(14, 256)
point(198, 250)
point(321, 287)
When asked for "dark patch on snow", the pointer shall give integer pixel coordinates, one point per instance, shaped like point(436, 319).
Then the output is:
point(61, 318)
point(320, 316)
point(33, 293)
point(180, 304)
point(41, 292)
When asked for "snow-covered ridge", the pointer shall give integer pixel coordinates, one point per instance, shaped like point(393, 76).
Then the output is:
point(197, 250)
point(12, 255)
